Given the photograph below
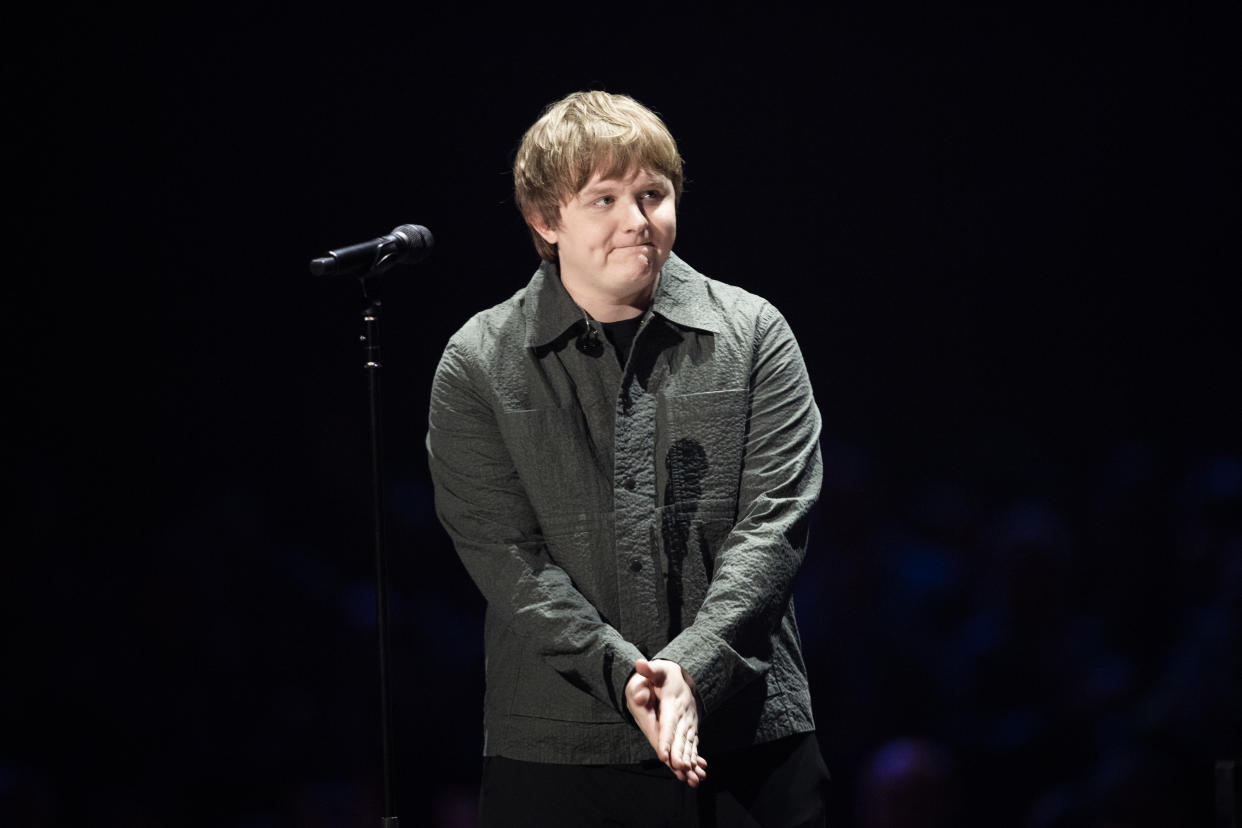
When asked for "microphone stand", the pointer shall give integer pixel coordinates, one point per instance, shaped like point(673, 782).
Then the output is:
point(371, 364)
point(407, 243)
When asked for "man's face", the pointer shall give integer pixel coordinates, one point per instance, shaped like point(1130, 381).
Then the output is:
point(615, 235)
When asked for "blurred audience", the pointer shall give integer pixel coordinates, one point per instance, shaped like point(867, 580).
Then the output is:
point(909, 783)
point(1059, 659)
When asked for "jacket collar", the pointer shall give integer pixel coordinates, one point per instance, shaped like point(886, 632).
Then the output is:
point(681, 297)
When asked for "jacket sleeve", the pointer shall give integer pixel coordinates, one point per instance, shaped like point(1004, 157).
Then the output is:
point(482, 504)
point(729, 642)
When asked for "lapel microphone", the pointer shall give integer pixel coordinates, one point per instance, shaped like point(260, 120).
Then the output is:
point(589, 341)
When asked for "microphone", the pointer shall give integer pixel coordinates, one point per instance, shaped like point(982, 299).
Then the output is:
point(407, 243)
point(589, 341)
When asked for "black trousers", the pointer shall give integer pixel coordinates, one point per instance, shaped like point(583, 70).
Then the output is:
point(782, 784)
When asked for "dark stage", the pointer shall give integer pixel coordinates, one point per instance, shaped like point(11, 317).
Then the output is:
point(1006, 240)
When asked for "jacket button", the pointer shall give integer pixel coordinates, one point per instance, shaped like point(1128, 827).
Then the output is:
point(628, 483)
point(636, 565)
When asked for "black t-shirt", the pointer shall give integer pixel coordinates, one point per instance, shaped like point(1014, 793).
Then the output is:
point(621, 335)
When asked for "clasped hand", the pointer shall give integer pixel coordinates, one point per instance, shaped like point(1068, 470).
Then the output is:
point(660, 697)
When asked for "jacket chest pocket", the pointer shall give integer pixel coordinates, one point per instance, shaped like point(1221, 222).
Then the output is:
point(555, 458)
point(700, 446)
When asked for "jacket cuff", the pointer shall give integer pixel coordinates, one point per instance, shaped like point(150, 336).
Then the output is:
point(623, 656)
point(718, 670)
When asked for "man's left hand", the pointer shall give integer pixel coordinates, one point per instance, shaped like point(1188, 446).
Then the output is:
point(660, 697)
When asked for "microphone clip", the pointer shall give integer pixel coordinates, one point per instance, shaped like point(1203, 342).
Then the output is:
point(589, 341)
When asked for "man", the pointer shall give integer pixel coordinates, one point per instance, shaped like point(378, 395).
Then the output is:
point(625, 453)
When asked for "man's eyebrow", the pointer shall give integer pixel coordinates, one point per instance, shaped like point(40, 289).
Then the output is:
point(599, 188)
point(610, 184)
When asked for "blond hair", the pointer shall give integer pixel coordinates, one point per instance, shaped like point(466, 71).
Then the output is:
point(578, 136)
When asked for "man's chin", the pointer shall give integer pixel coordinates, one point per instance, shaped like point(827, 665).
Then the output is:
point(637, 271)
point(652, 262)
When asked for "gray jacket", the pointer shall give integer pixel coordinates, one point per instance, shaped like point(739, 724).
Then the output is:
point(610, 514)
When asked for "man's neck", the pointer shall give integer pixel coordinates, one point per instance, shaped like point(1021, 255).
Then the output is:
point(606, 308)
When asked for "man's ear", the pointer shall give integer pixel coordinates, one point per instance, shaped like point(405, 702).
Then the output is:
point(537, 224)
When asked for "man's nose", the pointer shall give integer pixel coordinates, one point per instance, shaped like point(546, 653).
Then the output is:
point(636, 215)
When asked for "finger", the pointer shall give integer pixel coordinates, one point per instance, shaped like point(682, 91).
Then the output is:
point(699, 769)
point(678, 749)
point(652, 672)
point(693, 777)
point(655, 673)
point(667, 724)
point(649, 730)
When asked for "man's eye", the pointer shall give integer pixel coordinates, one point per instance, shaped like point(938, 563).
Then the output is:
point(653, 194)
point(604, 201)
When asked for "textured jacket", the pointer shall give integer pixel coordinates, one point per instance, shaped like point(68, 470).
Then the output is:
point(607, 514)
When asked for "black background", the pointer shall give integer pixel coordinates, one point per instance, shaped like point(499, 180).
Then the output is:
point(1007, 242)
